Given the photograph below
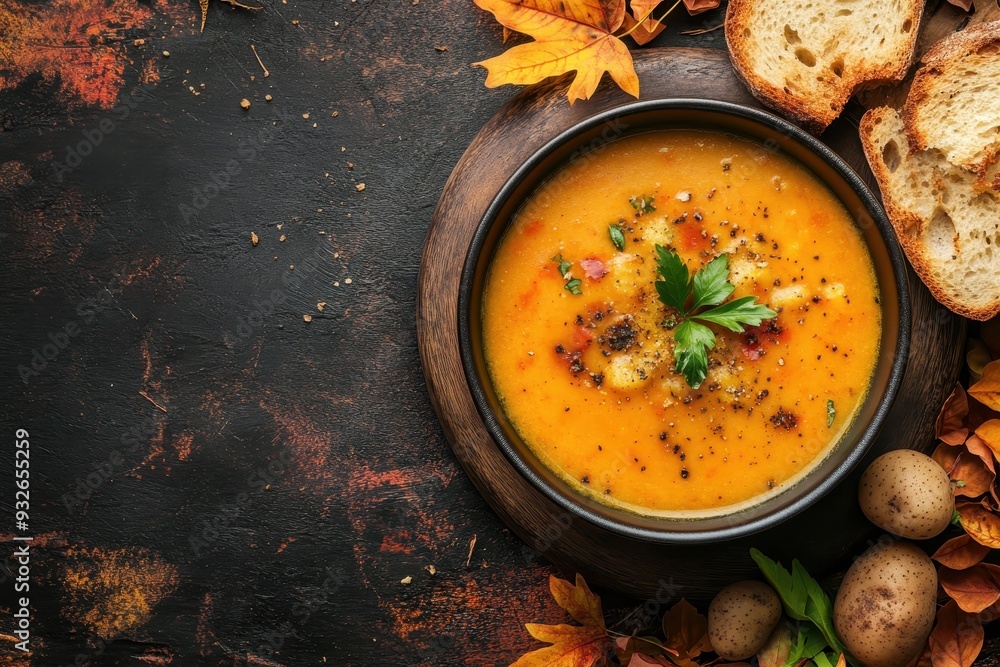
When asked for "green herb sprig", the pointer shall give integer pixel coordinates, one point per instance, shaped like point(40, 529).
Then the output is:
point(804, 600)
point(708, 288)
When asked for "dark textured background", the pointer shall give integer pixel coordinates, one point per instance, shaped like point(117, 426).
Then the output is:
point(215, 480)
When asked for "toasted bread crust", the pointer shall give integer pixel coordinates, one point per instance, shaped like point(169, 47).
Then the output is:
point(944, 53)
point(904, 221)
point(814, 114)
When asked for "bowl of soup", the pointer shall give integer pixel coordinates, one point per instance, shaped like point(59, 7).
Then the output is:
point(580, 366)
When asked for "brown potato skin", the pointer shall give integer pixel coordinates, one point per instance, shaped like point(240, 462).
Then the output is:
point(741, 619)
point(907, 494)
point(886, 604)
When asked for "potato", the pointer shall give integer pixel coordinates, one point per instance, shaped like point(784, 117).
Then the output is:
point(741, 619)
point(886, 604)
point(907, 494)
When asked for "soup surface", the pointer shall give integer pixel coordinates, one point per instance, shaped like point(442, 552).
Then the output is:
point(581, 351)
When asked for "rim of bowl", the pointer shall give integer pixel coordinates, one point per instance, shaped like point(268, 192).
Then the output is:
point(822, 487)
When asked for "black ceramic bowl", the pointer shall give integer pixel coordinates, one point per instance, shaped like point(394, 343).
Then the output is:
point(773, 133)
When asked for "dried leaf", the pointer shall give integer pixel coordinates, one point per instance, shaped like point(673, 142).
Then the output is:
point(640, 34)
point(642, 11)
point(960, 553)
point(649, 647)
point(957, 637)
point(842, 661)
point(571, 646)
point(978, 447)
point(989, 434)
point(987, 390)
point(578, 600)
point(981, 524)
point(971, 475)
point(965, 5)
point(973, 589)
point(570, 35)
point(946, 456)
point(922, 659)
point(949, 427)
point(777, 649)
point(204, 9)
point(700, 6)
point(686, 630)
point(643, 660)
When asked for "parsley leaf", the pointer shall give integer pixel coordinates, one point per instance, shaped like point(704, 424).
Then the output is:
point(574, 286)
point(691, 353)
point(736, 313)
point(564, 266)
point(711, 284)
point(617, 236)
point(676, 284)
point(831, 413)
point(801, 596)
point(642, 204)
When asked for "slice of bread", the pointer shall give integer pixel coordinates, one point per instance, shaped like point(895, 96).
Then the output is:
point(806, 58)
point(954, 103)
point(946, 221)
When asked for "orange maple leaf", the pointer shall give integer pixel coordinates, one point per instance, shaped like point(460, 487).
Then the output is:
point(571, 645)
point(987, 390)
point(570, 35)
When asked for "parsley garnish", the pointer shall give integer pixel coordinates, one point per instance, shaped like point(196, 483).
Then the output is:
point(803, 600)
point(572, 284)
point(710, 286)
point(642, 204)
point(831, 413)
point(617, 236)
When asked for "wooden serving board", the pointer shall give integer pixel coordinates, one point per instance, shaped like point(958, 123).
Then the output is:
point(822, 536)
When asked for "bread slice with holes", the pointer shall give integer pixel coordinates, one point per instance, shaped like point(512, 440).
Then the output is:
point(806, 58)
point(954, 103)
point(946, 220)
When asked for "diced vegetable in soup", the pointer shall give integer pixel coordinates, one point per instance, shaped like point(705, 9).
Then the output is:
point(667, 409)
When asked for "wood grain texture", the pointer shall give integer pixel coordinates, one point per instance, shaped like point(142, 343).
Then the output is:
point(637, 568)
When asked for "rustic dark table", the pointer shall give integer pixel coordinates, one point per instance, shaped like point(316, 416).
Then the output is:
point(208, 335)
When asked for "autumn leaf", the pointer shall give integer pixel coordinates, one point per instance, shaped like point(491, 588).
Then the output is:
point(973, 589)
point(987, 390)
point(700, 6)
point(981, 524)
point(777, 649)
point(639, 33)
point(949, 426)
point(570, 35)
point(960, 553)
point(973, 476)
point(578, 600)
point(957, 637)
point(989, 433)
point(686, 630)
point(946, 456)
point(572, 646)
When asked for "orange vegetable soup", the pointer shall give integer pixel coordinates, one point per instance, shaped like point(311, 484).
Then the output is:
point(589, 379)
